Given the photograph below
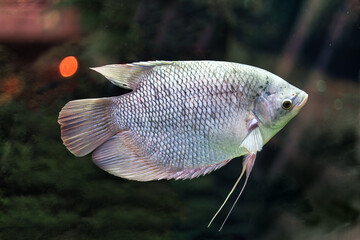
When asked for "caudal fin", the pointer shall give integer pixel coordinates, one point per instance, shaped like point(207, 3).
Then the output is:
point(86, 124)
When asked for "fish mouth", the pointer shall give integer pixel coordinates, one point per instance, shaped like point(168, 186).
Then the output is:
point(304, 98)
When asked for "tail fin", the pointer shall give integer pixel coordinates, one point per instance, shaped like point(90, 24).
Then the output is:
point(86, 124)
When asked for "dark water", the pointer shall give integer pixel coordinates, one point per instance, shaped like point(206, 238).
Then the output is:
point(306, 180)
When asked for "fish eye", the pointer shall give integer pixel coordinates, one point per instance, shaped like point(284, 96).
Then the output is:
point(287, 104)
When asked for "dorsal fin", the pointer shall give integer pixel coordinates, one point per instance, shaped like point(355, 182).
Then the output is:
point(127, 75)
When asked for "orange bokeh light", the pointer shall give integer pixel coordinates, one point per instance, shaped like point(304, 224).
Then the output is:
point(68, 66)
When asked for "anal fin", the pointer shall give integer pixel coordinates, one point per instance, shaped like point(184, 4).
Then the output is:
point(124, 157)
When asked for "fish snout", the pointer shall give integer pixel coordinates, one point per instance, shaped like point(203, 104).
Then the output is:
point(301, 100)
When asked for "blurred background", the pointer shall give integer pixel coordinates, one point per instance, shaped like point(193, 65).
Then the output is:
point(306, 181)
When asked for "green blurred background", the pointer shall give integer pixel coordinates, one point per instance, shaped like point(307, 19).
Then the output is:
point(306, 180)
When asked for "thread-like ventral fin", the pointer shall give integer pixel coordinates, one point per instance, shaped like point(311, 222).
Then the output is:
point(127, 75)
point(86, 124)
point(123, 156)
point(248, 164)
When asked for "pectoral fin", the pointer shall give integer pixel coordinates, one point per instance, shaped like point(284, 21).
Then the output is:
point(253, 141)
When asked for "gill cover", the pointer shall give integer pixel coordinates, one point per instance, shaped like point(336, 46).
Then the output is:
point(263, 110)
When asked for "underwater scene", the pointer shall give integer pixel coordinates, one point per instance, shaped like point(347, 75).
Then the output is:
point(200, 90)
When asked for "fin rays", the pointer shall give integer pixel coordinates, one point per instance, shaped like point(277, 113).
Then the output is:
point(86, 124)
point(127, 75)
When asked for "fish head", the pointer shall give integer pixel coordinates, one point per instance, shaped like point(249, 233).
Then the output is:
point(276, 105)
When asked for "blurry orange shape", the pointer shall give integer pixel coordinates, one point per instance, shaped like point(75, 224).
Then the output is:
point(68, 66)
point(12, 86)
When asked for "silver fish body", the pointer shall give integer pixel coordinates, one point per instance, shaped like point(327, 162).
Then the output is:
point(186, 116)
point(182, 120)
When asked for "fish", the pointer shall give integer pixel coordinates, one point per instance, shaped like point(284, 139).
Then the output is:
point(182, 119)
